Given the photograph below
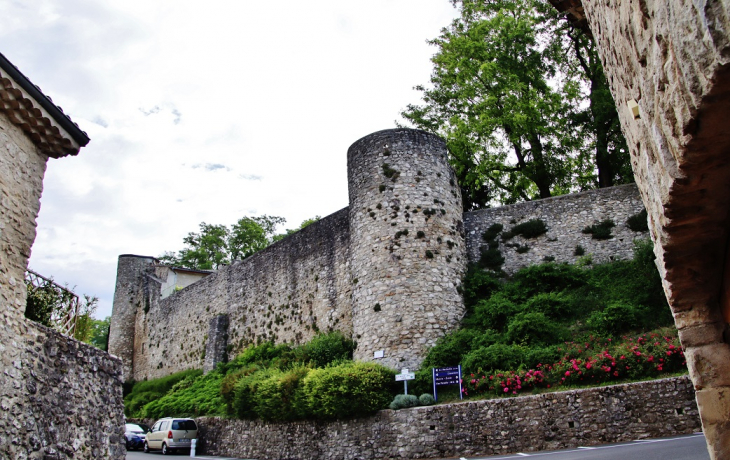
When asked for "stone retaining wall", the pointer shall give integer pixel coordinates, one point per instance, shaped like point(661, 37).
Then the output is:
point(565, 216)
point(488, 427)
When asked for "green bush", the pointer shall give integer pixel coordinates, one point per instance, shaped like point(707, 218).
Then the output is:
point(479, 284)
point(528, 229)
point(350, 389)
point(616, 318)
point(547, 277)
point(244, 399)
point(266, 354)
point(491, 258)
point(403, 401)
point(534, 328)
point(228, 385)
point(193, 397)
point(494, 312)
point(493, 357)
point(601, 230)
point(638, 222)
point(554, 305)
point(426, 399)
point(146, 391)
point(450, 348)
point(280, 397)
point(324, 349)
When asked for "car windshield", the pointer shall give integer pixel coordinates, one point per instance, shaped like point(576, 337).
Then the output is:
point(184, 425)
point(134, 428)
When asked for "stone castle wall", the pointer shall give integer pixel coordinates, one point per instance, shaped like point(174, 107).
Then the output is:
point(285, 293)
point(548, 421)
point(59, 398)
point(565, 216)
point(384, 271)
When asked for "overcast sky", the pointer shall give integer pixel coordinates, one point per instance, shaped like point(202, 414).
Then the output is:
point(206, 111)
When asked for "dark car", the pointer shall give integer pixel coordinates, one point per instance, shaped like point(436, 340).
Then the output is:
point(134, 435)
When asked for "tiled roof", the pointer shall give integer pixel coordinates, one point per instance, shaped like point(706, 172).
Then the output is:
point(35, 113)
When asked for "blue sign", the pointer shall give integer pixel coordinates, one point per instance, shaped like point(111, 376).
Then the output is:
point(447, 376)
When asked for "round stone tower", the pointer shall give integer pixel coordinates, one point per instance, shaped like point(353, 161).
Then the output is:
point(407, 251)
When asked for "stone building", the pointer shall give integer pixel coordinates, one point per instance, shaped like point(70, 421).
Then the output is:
point(59, 398)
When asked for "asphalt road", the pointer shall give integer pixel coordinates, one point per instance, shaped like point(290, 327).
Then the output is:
point(689, 447)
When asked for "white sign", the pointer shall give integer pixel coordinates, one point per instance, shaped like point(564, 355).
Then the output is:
point(379, 354)
point(404, 375)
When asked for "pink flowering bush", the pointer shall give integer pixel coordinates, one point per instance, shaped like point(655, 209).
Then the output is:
point(590, 362)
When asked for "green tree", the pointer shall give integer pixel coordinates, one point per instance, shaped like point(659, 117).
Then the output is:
point(217, 245)
point(100, 333)
point(506, 93)
point(305, 223)
point(252, 234)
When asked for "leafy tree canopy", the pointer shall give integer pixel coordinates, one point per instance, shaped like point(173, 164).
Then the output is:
point(218, 245)
point(521, 101)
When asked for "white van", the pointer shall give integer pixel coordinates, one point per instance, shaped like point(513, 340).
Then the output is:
point(171, 434)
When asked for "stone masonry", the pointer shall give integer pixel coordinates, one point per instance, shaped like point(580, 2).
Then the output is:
point(59, 398)
point(672, 59)
point(406, 245)
point(384, 271)
point(548, 421)
point(565, 217)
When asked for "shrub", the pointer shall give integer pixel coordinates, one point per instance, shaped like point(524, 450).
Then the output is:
point(528, 229)
point(450, 348)
point(491, 258)
point(547, 277)
point(265, 354)
point(492, 232)
point(279, 397)
point(579, 251)
point(146, 391)
point(245, 391)
point(534, 328)
point(601, 230)
point(479, 284)
point(228, 386)
point(555, 305)
point(497, 356)
point(426, 399)
point(350, 389)
point(403, 401)
point(324, 349)
point(638, 222)
point(198, 396)
point(616, 318)
point(493, 313)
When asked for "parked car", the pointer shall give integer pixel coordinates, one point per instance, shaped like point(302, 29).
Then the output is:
point(134, 434)
point(170, 435)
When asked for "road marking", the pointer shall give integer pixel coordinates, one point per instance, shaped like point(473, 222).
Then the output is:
point(523, 455)
point(587, 448)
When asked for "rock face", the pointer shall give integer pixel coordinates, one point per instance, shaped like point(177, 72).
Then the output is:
point(672, 58)
point(407, 251)
point(489, 427)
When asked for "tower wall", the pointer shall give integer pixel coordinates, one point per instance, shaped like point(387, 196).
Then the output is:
point(129, 297)
point(407, 252)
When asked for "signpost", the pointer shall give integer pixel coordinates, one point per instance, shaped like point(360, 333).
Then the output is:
point(447, 376)
point(405, 376)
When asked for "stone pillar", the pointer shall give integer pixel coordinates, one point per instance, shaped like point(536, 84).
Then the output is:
point(129, 298)
point(670, 61)
point(407, 252)
point(216, 348)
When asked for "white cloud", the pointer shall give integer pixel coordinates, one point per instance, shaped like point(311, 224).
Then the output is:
point(206, 113)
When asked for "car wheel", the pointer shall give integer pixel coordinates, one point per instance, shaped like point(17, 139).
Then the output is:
point(146, 448)
point(164, 449)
